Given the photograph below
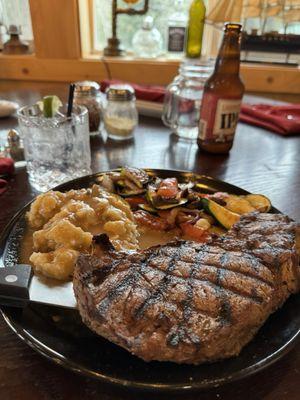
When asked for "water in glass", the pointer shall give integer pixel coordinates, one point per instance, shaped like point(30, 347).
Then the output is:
point(56, 149)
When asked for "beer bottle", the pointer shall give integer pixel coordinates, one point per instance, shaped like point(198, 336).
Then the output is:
point(195, 29)
point(222, 96)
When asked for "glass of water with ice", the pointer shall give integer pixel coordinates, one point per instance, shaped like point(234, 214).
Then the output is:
point(57, 149)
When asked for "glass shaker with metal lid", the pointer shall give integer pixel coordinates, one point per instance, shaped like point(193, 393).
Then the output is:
point(120, 114)
point(88, 94)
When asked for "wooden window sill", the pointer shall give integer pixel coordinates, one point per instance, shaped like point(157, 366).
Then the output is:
point(257, 77)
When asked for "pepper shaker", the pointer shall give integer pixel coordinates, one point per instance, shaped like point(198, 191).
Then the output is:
point(87, 93)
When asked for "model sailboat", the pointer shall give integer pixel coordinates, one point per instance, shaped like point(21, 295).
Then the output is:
point(263, 38)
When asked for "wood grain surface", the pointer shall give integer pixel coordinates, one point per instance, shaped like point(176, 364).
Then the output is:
point(260, 161)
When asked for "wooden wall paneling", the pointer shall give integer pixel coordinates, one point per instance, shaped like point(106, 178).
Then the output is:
point(257, 77)
point(271, 79)
point(55, 25)
point(31, 68)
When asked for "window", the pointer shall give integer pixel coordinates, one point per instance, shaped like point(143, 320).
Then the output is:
point(271, 27)
point(128, 25)
point(17, 12)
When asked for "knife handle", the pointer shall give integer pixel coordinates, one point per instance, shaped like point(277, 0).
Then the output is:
point(14, 285)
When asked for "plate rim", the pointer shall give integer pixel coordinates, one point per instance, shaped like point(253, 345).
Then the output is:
point(40, 348)
point(58, 359)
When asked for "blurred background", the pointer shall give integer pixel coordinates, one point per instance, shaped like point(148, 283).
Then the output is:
point(66, 40)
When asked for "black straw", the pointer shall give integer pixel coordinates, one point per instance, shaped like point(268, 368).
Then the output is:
point(70, 100)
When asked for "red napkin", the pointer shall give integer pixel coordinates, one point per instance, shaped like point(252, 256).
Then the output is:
point(142, 92)
point(6, 169)
point(284, 120)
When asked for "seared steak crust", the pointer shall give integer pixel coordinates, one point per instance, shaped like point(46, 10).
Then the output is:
point(189, 302)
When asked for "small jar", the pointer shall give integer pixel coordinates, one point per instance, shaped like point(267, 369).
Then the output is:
point(183, 98)
point(120, 115)
point(88, 94)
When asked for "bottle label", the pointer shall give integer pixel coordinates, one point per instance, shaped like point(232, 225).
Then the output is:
point(176, 38)
point(218, 118)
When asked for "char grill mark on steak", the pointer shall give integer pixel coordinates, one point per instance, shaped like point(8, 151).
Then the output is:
point(216, 283)
point(181, 332)
point(254, 263)
point(189, 302)
point(130, 281)
point(143, 268)
point(162, 287)
point(222, 290)
point(225, 309)
point(225, 261)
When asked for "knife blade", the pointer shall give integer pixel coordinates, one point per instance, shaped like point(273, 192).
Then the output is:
point(19, 287)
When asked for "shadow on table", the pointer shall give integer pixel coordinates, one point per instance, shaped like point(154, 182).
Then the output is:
point(180, 154)
point(184, 154)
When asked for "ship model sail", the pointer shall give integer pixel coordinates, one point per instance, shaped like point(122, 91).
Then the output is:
point(285, 12)
point(226, 10)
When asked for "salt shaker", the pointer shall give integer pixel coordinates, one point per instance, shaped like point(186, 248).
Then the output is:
point(120, 114)
point(87, 93)
point(14, 147)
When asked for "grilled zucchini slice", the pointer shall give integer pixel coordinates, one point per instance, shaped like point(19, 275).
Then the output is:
point(225, 217)
point(148, 208)
point(259, 202)
point(138, 176)
point(171, 205)
point(238, 204)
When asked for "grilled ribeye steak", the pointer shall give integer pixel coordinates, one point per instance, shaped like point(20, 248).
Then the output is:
point(189, 302)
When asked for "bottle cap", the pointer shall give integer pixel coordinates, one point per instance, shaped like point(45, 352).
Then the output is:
point(233, 26)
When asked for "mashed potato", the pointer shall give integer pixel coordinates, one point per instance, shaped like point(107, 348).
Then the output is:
point(65, 223)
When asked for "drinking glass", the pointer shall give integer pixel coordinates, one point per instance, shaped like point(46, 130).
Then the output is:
point(56, 149)
point(183, 98)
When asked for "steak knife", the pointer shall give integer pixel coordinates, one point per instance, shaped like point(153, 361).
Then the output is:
point(19, 287)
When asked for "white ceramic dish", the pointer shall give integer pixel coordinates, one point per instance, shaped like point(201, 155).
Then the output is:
point(7, 108)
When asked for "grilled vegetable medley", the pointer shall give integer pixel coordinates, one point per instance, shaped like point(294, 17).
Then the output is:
point(165, 204)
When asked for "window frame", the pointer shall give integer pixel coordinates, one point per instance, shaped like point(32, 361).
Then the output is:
point(87, 33)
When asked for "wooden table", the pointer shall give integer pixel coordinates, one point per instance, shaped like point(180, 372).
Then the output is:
point(260, 161)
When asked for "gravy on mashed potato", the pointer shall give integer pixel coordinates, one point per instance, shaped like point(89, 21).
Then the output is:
point(63, 225)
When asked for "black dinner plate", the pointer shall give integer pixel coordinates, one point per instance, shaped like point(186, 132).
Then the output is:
point(59, 334)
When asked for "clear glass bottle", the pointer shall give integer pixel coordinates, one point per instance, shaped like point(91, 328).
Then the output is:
point(147, 41)
point(177, 23)
point(120, 114)
point(88, 94)
point(183, 98)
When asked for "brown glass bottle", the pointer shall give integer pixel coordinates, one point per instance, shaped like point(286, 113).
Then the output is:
point(222, 96)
